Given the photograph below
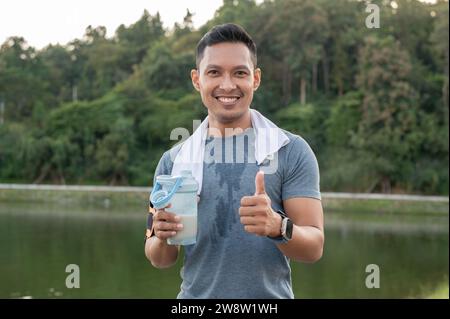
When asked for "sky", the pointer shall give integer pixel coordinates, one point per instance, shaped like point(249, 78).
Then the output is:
point(42, 22)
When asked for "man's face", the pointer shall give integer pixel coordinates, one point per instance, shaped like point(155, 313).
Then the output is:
point(226, 80)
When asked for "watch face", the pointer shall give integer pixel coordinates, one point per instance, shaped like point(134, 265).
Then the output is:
point(289, 227)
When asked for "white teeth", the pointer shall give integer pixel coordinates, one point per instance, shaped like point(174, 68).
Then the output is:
point(227, 99)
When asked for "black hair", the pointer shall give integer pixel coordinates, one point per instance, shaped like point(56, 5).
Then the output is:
point(228, 32)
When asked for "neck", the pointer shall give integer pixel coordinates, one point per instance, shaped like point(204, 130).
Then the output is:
point(223, 129)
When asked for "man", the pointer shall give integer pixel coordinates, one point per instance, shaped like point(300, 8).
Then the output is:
point(250, 224)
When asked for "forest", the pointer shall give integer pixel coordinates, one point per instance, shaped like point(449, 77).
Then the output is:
point(371, 102)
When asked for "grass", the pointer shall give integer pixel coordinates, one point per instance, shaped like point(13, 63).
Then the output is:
point(385, 206)
point(441, 292)
point(133, 200)
point(140, 199)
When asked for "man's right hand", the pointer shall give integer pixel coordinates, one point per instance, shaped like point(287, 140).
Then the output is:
point(166, 224)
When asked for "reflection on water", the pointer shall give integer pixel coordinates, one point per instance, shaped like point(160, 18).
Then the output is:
point(37, 243)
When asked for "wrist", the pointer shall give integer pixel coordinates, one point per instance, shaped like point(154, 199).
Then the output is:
point(162, 244)
point(276, 229)
point(285, 229)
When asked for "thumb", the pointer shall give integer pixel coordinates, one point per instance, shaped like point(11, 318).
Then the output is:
point(259, 183)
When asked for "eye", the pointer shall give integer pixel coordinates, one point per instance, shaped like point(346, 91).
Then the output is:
point(241, 73)
point(213, 72)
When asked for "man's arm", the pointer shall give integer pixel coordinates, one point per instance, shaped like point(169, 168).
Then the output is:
point(160, 254)
point(308, 237)
point(165, 225)
point(258, 217)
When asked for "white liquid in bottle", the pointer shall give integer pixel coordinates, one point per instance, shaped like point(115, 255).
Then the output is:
point(187, 235)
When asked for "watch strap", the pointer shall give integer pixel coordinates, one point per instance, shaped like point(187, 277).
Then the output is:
point(280, 239)
point(150, 229)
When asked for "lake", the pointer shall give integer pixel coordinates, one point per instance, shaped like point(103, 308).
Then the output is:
point(38, 241)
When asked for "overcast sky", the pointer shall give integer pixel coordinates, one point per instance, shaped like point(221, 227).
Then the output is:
point(42, 22)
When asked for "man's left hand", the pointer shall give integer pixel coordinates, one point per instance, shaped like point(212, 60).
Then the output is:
point(256, 212)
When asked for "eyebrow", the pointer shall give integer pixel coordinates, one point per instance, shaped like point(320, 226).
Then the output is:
point(214, 66)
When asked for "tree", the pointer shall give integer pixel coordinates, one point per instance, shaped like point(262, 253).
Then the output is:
point(388, 130)
point(301, 48)
point(138, 38)
point(234, 11)
point(440, 42)
point(22, 79)
point(164, 71)
point(341, 47)
point(60, 72)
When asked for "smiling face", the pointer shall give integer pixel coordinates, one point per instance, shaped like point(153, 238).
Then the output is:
point(226, 79)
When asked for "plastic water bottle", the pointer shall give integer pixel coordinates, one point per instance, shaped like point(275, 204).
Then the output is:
point(181, 192)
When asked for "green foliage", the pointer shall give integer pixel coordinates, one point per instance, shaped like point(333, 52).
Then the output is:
point(344, 118)
point(12, 143)
point(306, 121)
point(388, 129)
point(163, 71)
point(347, 170)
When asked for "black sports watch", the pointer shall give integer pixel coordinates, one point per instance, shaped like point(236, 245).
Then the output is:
point(286, 228)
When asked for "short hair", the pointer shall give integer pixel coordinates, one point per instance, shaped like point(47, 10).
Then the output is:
point(228, 32)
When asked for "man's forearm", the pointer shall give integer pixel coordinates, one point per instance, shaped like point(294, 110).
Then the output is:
point(160, 254)
point(306, 244)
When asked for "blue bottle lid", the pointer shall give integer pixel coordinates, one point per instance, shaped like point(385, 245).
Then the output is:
point(184, 183)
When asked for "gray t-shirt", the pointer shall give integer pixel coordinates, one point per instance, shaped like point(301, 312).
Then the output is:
point(226, 261)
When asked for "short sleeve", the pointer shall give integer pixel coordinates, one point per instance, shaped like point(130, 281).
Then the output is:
point(164, 166)
point(301, 171)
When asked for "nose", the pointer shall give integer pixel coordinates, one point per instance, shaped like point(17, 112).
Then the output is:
point(227, 83)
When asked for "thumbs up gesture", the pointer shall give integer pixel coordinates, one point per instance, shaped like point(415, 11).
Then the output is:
point(256, 213)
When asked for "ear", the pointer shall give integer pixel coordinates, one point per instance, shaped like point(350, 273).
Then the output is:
point(195, 79)
point(256, 78)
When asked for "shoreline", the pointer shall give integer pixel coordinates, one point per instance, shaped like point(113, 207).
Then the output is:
point(137, 198)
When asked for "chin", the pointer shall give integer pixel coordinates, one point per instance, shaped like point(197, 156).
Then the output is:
point(229, 115)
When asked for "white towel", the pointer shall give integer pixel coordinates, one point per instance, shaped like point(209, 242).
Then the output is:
point(269, 139)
